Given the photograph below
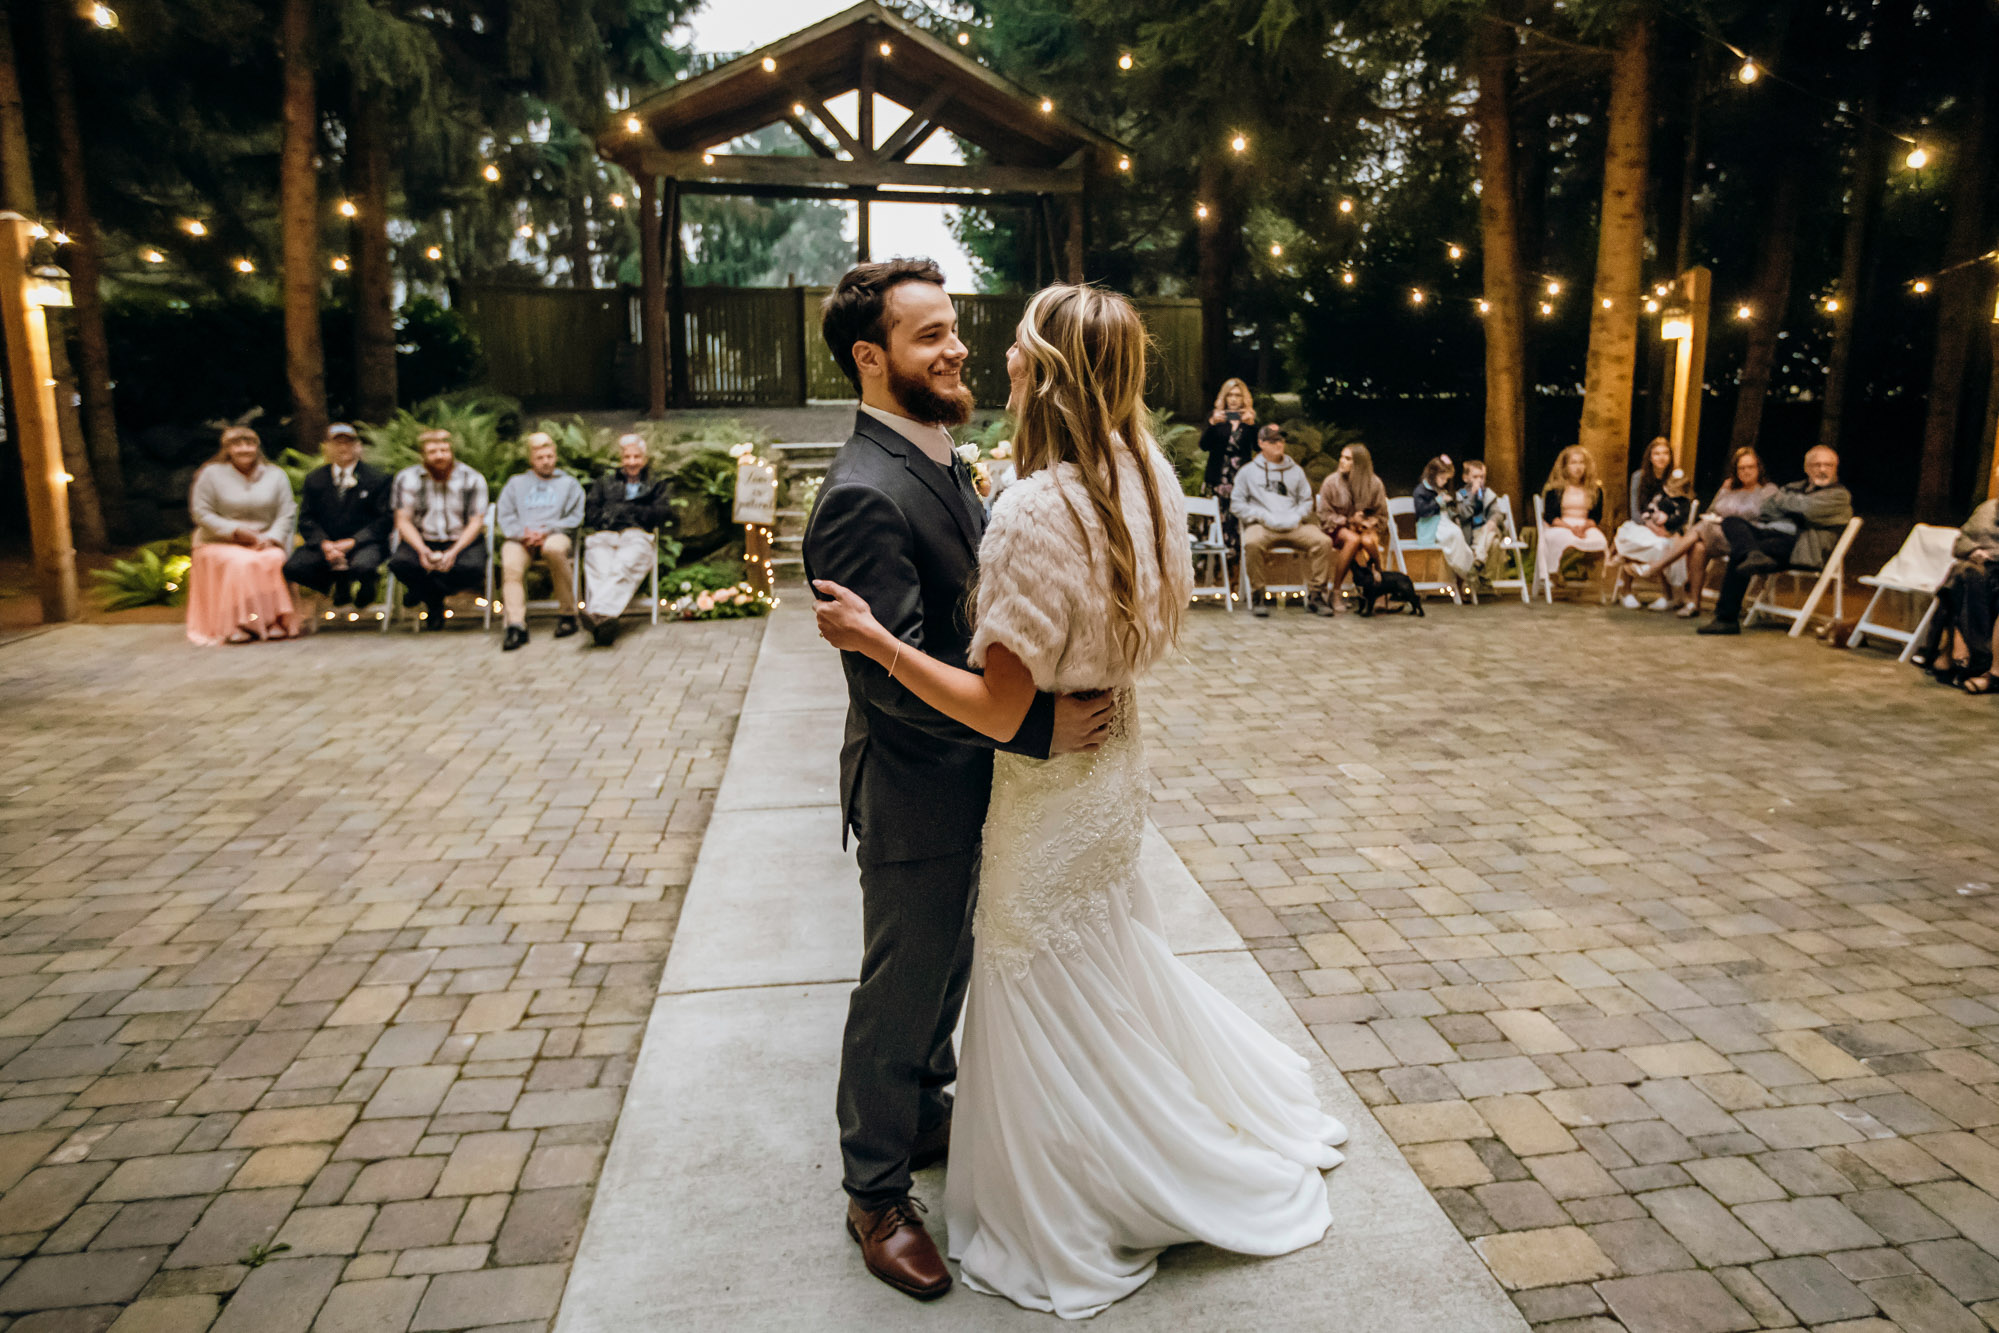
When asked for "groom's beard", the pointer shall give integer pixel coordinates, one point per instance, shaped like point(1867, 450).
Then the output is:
point(921, 402)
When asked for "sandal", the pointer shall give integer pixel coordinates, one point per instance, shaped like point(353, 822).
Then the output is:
point(1985, 683)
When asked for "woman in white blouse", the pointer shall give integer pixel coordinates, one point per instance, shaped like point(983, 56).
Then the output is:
point(243, 519)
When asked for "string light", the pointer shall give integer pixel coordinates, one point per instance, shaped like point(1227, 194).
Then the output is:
point(1124, 61)
point(1606, 303)
point(60, 238)
point(1832, 305)
point(347, 208)
point(1124, 164)
point(1484, 307)
point(152, 256)
point(435, 252)
point(1921, 286)
point(1046, 106)
point(1554, 288)
point(885, 48)
point(104, 16)
point(1276, 250)
point(1455, 252)
point(1239, 143)
point(770, 65)
point(1749, 73)
point(633, 125)
point(1651, 307)
point(964, 39)
point(525, 232)
point(1346, 278)
point(245, 266)
point(1918, 158)
point(1660, 290)
point(491, 173)
point(340, 263)
point(1201, 212)
point(1346, 205)
point(1547, 307)
point(798, 109)
point(1744, 311)
point(617, 201)
point(1415, 296)
point(707, 159)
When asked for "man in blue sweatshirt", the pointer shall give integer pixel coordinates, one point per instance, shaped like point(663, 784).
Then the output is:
point(538, 514)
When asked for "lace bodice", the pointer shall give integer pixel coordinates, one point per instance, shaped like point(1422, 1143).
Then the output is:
point(1062, 836)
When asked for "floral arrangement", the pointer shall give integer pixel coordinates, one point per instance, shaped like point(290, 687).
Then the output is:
point(734, 603)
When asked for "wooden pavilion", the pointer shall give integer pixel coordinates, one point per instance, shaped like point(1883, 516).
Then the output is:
point(673, 142)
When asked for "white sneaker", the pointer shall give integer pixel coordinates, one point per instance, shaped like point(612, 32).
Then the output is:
point(1660, 604)
point(1630, 602)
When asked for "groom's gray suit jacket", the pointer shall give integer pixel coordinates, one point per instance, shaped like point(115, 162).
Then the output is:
point(903, 533)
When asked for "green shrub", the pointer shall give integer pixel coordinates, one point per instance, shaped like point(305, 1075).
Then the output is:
point(157, 576)
point(475, 420)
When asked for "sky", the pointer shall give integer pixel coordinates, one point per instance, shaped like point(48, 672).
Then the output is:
point(898, 229)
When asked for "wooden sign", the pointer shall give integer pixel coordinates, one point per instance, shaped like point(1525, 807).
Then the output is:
point(756, 493)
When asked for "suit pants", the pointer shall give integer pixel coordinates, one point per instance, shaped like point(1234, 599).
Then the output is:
point(1258, 542)
point(1744, 537)
point(308, 567)
point(467, 573)
point(896, 1057)
point(1968, 602)
point(614, 565)
point(514, 559)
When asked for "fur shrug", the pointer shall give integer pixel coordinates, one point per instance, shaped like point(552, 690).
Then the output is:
point(1044, 585)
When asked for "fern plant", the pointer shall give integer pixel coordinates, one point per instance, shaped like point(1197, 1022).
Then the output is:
point(476, 426)
point(155, 576)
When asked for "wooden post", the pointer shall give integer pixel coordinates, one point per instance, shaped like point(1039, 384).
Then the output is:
point(756, 556)
point(1689, 365)
point(676, 300)
point(864, 118)
point(32, 400)
point(864, 249)
point(1073, 246)
point(652, 300)
point(801, 347)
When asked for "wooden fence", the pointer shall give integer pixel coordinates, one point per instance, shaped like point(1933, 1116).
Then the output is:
point(760, 346)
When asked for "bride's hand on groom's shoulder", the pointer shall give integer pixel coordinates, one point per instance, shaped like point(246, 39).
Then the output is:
point(844, 619)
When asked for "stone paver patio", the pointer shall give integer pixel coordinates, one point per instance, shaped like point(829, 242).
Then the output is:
point(322, 965)
point(1672, 964)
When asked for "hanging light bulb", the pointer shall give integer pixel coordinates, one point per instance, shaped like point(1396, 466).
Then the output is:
point(435, 252)
point(1744, 311)
point(1346, 205)
point(1651, 307)
point(1660, 290)
point(245, 266)
point(770, 65)
point(1201, 212)
point(964, 39)
point(1554, 288)
point(707, 159)
point(1918, 158)
point(1832, 305)
point(1124, 61)
point(885, 48)
point(633, 125)
point(1346, 278)
point(491, 173)
point(1124, 164)
point(1046, 106)
point(1415, 296)
point(104, 16)
point(61, 238)
point(194, 227)
point(152, 256)
point(1484, 307)
point(1921, 286)
point(1276, 250)
point(617, 201)
point(1240, 143)
point(1749, 73)
point(1547, 307)
point(347, 208)
point(798, 109)
point(1606, 303)
point(340, 263)
point(1455, 252)
point(525, 232)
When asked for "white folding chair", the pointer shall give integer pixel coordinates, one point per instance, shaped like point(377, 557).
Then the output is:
point(1204, 512)
point(1404, 506)
point(1918, 570)
point(1516, 551)
point(546, 604)
point(1281, 552)
point(1545, 569)
point(1832, 574)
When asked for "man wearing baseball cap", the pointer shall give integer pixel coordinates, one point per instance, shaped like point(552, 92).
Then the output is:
point(343, 522)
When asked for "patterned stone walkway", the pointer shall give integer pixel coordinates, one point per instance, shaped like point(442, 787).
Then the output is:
point(1671, 963)
point(322, 965)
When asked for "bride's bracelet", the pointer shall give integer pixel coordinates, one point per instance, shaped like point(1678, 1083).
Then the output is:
point(893, 661)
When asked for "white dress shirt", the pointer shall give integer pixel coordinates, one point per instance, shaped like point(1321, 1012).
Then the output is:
point(933, 440)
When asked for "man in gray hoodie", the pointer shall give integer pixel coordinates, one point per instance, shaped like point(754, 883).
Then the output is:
point(1272, 500)
point(539, 512)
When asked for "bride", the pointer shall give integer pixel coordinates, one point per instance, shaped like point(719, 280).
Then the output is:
point(1110, 1103)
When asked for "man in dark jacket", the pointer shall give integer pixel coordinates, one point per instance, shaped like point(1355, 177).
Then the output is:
point(625, 511)
point(343, 523)
point(898, 522)
point(1797, 529)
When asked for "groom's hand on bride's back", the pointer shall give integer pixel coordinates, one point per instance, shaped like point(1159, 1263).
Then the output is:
point(1081, 722)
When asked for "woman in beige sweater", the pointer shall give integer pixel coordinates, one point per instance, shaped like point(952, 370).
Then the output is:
point(243, 519)
point(1352, 509)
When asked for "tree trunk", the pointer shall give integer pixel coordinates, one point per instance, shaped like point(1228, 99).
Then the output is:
point(1620, 257)
point(1217, 238)
point(1960, 291)
point(374, 282)
point(1870, 175)
point(86, 266)
point(1769, 298)
point(17, 181)
point(298, 191)
point(1499, 243)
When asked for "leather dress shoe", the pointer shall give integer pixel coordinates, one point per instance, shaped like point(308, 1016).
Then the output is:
point(1721, 627)
point(897, 1249)
point(565, 626)
point(931, 1148)
point(515, 636)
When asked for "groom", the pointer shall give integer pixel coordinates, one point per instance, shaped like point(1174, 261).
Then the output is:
point(898, 523)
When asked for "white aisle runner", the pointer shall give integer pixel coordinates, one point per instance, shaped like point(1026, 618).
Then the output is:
point(720, 1205)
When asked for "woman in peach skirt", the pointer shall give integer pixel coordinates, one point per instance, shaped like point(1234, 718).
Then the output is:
point(243, 517)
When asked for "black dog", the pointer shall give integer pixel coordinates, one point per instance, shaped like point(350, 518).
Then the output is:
point(1391, 590)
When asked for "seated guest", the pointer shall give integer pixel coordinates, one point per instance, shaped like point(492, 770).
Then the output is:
point(343, 523)
point(1959, 647)
point(1436, 521)
point(440, 509)
point(1230, 439)
point(537, 515)
point(1273, 501)
point(1796, 529)
point(243, 515)
point(1741, 496)
point(1571, 509)
point(1636, 542)
point(625, 511)
point(1352, 509)
point(1475, 510)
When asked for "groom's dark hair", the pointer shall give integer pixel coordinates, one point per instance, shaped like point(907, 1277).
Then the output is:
point(856, 310)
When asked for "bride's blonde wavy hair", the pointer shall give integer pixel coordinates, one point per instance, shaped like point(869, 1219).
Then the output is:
point(1084, 352)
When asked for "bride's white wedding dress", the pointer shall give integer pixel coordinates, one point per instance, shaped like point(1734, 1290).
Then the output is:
point(1110, 1103)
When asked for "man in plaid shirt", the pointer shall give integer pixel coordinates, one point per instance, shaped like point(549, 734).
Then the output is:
point(440, 507)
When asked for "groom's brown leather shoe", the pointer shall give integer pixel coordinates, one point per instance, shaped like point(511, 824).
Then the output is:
point(897, 1249)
